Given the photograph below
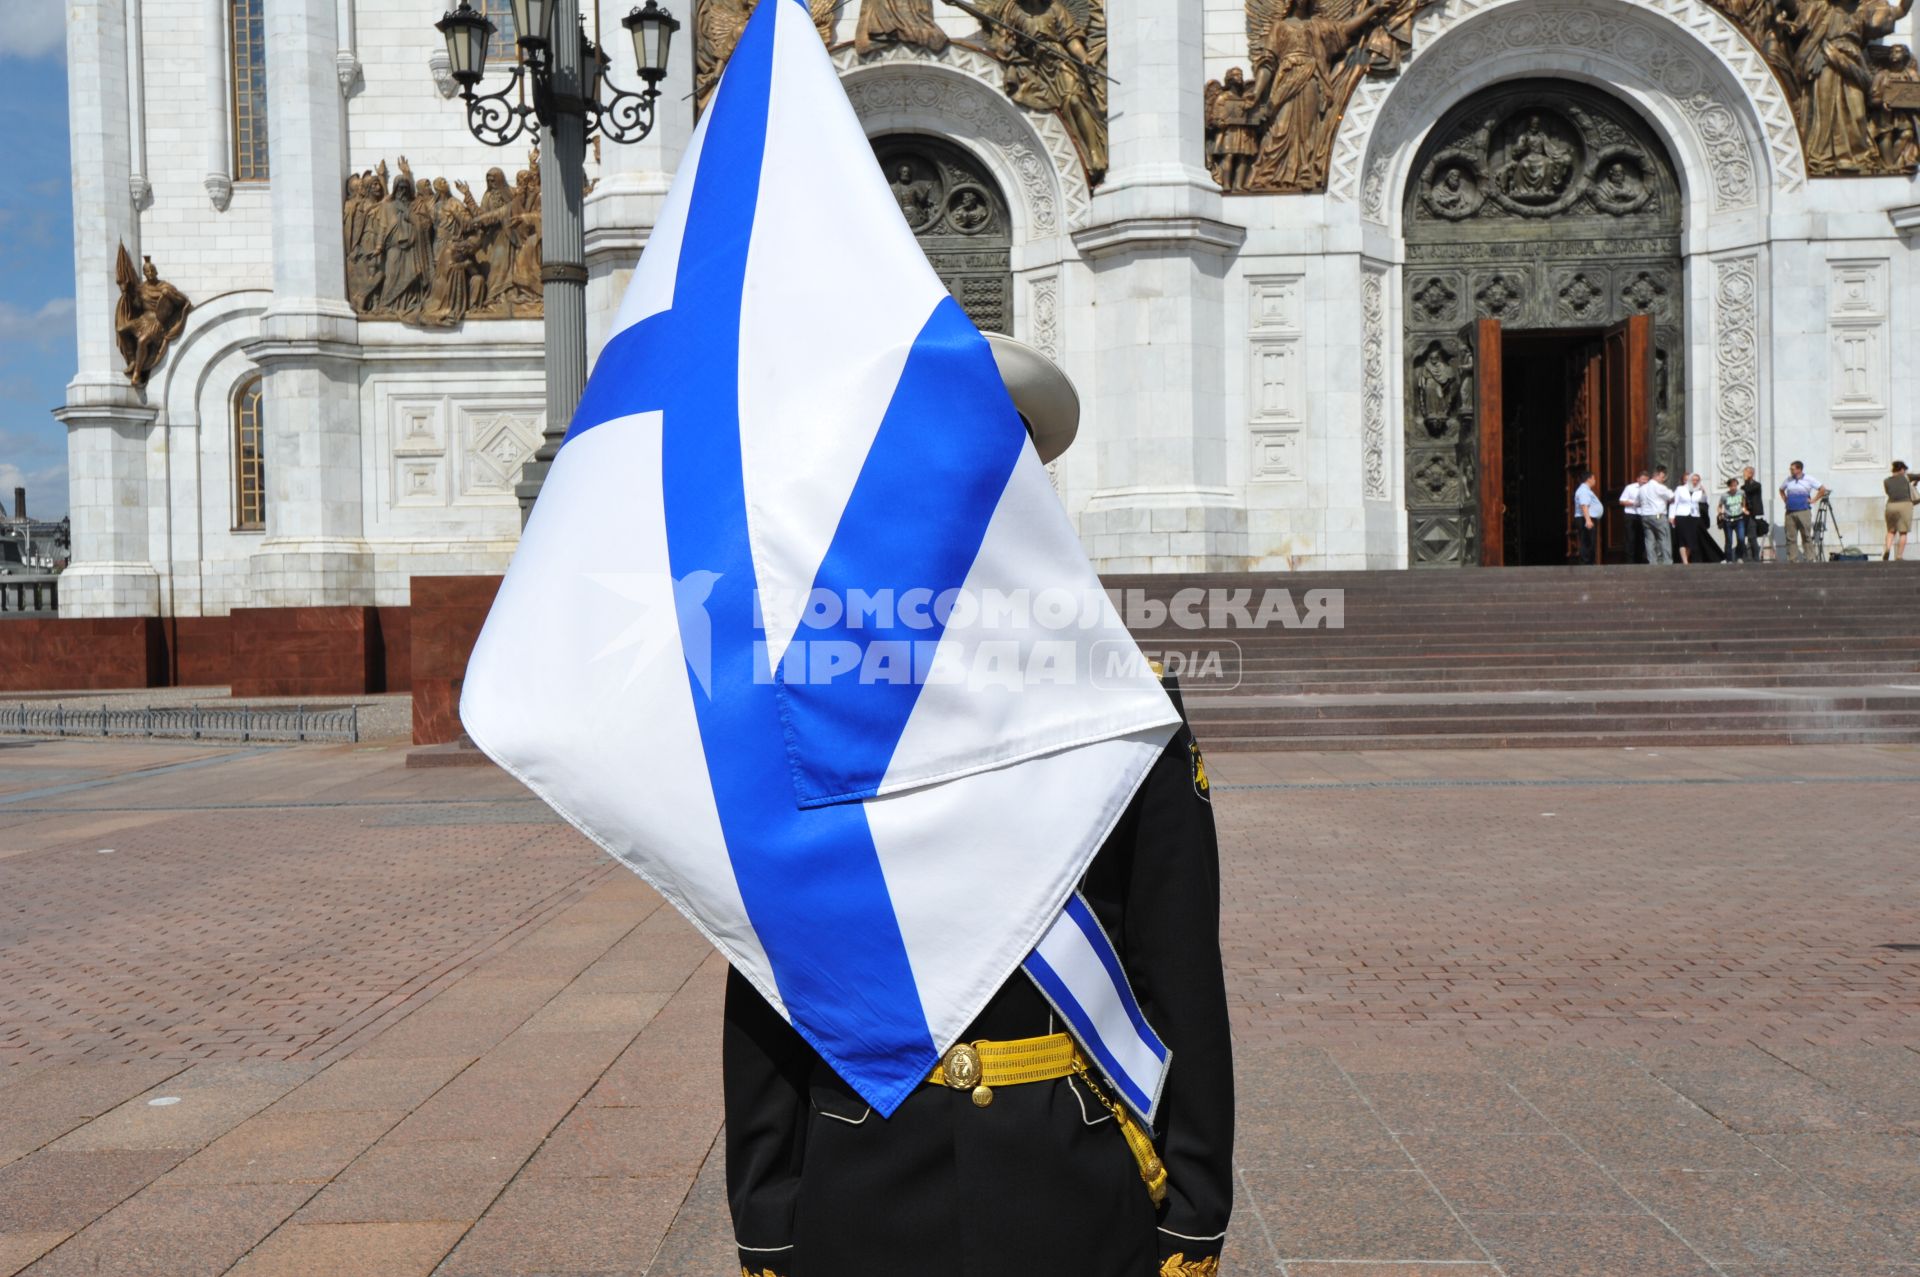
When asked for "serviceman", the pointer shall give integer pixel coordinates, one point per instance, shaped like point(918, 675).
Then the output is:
point(1015, 1156)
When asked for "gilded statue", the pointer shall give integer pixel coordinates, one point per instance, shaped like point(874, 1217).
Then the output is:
point(150, 315)
point(884, 22)
point(717, 25)
point(419, 253)
point(1307, 56)
point(1053, 61)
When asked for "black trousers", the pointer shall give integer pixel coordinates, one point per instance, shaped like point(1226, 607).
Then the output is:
point(1636, 540)
point(1587, 536)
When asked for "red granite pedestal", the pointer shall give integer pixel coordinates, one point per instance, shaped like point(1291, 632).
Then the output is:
point(49, 654)
point(306, 651)
point(446, 617)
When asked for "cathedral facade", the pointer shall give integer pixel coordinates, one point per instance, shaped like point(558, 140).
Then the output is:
point(1343, 283)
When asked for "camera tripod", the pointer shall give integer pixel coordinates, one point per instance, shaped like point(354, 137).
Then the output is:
point(1822, 513)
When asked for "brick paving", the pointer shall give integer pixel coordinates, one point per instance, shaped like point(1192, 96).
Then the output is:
point(299, 1010)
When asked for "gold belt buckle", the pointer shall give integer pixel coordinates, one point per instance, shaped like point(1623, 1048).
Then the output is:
point(961, 1071)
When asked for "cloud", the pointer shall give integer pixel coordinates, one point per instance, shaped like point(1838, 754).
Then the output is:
point(46, 489)
point(34, 29)
point(52, 323)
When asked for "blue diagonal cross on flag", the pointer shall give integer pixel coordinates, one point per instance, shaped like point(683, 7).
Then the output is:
point(735, 646)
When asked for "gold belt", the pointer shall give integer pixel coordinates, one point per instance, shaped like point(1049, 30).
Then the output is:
point(980, 1066)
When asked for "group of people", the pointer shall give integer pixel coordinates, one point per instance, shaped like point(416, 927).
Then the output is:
point(1663, 521)
point(419, 253)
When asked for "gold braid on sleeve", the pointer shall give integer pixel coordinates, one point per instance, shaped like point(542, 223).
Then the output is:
point(1178, 1265)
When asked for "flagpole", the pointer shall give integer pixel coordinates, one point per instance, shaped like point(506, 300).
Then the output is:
point(563, 269)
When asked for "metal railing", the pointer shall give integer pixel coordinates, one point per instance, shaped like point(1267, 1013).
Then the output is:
point(29, 595)
point(187, 722)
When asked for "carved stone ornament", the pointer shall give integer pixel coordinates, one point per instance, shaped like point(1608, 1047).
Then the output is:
point(1736, 360)
point(1273, 132)
point(1856, 97)
point(1435, 299)
point(423, 252)
point(1499, 298)
point(1373, 393)
point(149, 317)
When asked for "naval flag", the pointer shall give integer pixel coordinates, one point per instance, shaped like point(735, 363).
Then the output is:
point(798, 629)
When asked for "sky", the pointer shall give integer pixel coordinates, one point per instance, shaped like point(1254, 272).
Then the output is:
point(36, 256)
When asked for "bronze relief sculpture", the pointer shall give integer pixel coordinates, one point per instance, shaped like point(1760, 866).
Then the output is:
point(150, 315)
point(419, 253)
point(1054, 55)
point(1855, 97)
point(717, 25)
point(1307, 56)
point(885, 22)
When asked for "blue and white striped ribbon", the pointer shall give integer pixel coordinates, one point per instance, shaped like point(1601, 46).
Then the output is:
point(1077, 970)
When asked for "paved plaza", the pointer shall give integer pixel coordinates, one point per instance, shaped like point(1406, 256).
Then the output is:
point(301, 1011)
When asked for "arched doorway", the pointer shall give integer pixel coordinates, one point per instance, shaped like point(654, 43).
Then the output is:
point(1544, 320)
point(960, 218)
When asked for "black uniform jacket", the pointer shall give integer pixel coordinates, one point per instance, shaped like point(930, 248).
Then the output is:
point(1040, 1180)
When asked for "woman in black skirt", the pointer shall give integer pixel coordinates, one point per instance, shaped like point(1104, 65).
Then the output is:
point(1689, 525)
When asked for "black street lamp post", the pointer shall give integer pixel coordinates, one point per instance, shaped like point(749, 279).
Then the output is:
point(560, 85)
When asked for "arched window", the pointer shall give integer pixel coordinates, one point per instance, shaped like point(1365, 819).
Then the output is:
point(249, 460)
point(247, 38)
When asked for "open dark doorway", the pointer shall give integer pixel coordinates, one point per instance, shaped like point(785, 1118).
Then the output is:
point(1539, 374)
point(1552, 404)
point(1537, 206)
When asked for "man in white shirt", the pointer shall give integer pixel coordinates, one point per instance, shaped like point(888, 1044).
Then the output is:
point(1630, 502)
point(1655, 496)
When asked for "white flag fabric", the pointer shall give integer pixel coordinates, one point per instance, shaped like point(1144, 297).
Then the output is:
point(798, 630)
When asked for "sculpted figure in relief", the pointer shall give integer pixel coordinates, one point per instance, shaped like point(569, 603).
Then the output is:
point(717, 25)
point(884, 22)
point(404, 258)
point(151, 314)
point(1307, 56)
point(1232, 143)
point(1436, 392)
point(363, 249)
point(454, 262)
point(1855, 99)
point(1052, 63)
point(1298, 93)
point(1538, 165)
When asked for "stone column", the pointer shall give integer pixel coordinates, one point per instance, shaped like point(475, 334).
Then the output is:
point(1159, 247)
point(107, 419)
point(314, 552)
point(563, 268)
point(625, 203)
